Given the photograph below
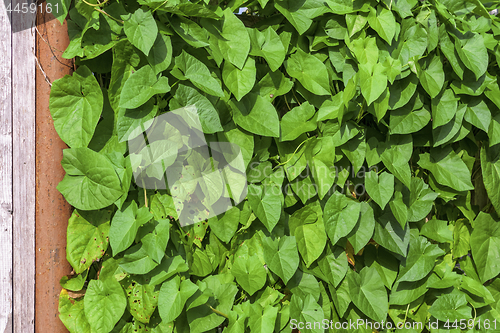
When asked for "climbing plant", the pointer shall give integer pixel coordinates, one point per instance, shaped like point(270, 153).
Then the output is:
point(369, 133)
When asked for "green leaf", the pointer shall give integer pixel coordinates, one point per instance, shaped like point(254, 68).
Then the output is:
point(402, 91)
point(142, 300)
point(478, 114)
point(125, 224)
point(451, 130)
point(249, 112)
point(303, 284)
point(444, 108)
point(490, 166)
point(90, 181)
point(242, 138)
point(173, 297)
point(72, 314)
point(368, 293)
point(461, 239)
point(306, 310)
point(309, 71)
point(437, 230)
point(451, 307)
point(209, 117)
point(333, 264)
point(235, 44)
point(383, 22)
point(74, 283)
point(406, 292)
point(141, 86)
point(266, 202)
point(341, 215)
point(494, 130)
point(485, 245)
point(372, 84)
point(104, 304)
point(432, 78)
point(155, 242)
point(239, 81)
point(167, 268)
point(75, 105)
point(281, 256)
point(200, 265)
point(380, 188)
point(322, 165)
point(355, 22)
point(399, 208)
point(385, 263)
point(363, 231)
point(355, 150)
point(160, 55)
point(477, 289)
point(421, 200)
point(262, 319)
point(273, 49)
point(412, 44)
point(300, 15)
point(133, 122)
point(395, 154)
point(137, 261)
point(365, 50)
point(87, 238)
point(125, 57)
point(249, 273)
point(389, 234)
point(201, 317)
point(189, 31)
point(420, 260)
point(141, 30)
point(404, 7)
point(473, 53)
point(448, 49)
point(405, 121)
point(224, 226)
point(309, 231)
point(198, 73)
point(299, 120)
point(341, 297)
point(273, 84)
point(447, 167)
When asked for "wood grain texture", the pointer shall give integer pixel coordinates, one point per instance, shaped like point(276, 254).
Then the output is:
point(23, 138)
point(5, 174)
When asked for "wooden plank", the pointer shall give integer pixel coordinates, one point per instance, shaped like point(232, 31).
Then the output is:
point(5, 173)
point(23, 135)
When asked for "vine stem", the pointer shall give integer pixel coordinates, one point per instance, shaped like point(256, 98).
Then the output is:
point(164, 2)
point(293, 92)
point(294, 152)
point(95, 4)
point(475, 315)
point(286, 102)
point(111, 17)
point(406, 314)
point(218, 312)
point(145, 194)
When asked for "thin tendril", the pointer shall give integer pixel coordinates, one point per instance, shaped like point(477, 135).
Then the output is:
point(294, 152)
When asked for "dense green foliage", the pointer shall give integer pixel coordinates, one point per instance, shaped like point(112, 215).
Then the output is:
point(370, 131)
